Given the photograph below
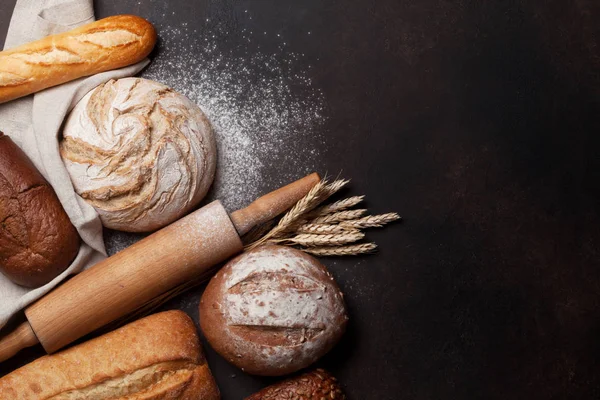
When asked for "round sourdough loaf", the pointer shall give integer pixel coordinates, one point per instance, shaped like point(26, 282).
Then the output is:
point(37, 239)
point(140, 153)
point(272, 311)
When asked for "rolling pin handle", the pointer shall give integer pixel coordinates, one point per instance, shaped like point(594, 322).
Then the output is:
point(272, 204)
point(17, 340)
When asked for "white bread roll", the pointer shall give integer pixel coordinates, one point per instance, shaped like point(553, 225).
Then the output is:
point(140, 153)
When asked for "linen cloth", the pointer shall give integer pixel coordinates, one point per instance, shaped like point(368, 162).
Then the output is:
point(34, 124)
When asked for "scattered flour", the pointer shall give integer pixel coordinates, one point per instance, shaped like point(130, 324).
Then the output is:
point(264, 109)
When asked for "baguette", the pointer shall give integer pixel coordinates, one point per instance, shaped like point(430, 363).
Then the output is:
point(157, 357)
point(109, 43)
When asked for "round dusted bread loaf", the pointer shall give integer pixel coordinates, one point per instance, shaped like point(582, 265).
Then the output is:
point(140, 153)
point(272, 311)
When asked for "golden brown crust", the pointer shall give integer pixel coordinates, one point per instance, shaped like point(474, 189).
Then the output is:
point(109, 43)
point(202, 386)
point(157, 357)
point(315, 385)
point(37, 239)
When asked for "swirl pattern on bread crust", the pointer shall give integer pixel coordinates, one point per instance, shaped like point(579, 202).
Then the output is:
point(140, 153)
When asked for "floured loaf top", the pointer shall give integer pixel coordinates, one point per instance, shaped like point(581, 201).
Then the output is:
point(140, 153)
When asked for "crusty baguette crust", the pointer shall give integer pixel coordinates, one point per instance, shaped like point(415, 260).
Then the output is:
point(109, 43)
point(157, 357)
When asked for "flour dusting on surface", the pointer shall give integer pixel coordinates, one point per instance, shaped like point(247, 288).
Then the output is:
point(265, 110)
point(262, 109)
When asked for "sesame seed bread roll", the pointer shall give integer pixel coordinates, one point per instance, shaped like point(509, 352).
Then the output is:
point(315, 385)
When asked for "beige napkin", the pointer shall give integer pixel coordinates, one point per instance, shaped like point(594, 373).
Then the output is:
point(34, 124)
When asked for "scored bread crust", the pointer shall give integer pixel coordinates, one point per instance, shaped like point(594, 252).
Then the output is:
point(157, 357)
point(272, 311)
point(107, 44)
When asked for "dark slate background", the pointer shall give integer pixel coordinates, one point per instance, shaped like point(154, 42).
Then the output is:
point(478, 122)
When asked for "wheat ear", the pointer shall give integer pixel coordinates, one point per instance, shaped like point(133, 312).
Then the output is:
point(371, 221)
point(339, 216)
point(323, 229)
point(352, 250)
point(293, 218)
point(310, 240)
point(339, 205)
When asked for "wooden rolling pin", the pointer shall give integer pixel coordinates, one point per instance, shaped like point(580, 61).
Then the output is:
point(124, 282)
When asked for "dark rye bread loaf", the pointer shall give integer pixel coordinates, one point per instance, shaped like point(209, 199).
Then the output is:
point(272, 311)
point(315, 385)
point(37, 239)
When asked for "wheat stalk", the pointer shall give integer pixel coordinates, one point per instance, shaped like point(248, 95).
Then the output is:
point(329, 225)
point(323, 229)
point(317, 195)
point(371, 221)
point(352, 250)
point(332, 189)
point(339, 205)
point(339, 216)
point(293, 218)
point(311, 240)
